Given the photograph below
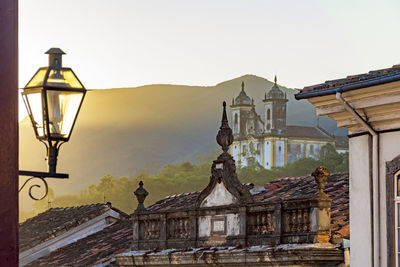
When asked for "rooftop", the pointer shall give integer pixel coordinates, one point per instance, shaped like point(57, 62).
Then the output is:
point(56, 221)
point(352, 82)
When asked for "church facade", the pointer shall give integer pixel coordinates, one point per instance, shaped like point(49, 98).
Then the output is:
point(269, 141)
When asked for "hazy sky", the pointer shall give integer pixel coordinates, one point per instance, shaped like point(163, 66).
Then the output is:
point(126, 43)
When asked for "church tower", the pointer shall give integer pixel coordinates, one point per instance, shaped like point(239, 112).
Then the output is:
point(241, 106)
point(275, 111)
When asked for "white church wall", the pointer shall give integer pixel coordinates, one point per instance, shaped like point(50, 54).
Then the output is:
point(280, 153)
point(267, 154)
point(268, 123)
point(236, 121)
point(235, 151)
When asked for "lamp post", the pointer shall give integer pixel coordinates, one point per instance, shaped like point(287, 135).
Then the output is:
point(53, 98)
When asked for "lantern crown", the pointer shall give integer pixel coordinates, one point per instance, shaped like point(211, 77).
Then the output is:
point(55, 57)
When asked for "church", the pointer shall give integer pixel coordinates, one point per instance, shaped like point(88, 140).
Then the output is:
point(269, 141)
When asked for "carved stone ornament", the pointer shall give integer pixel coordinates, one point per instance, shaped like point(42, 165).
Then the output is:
point(141, 195)
point(223, 168)
point(321, 174)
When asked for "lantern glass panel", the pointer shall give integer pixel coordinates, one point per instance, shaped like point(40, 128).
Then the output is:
point(62, 78)
point(38, 79)
point(33, 102)
point(63, 107)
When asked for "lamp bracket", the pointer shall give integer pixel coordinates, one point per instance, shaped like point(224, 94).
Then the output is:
point(41, 176)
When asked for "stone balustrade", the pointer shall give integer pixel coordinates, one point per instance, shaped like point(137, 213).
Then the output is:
point(267, 223)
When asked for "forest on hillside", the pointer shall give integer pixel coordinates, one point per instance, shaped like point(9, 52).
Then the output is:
point(181, 178)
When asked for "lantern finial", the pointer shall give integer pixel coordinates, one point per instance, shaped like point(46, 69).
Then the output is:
point(55, 57)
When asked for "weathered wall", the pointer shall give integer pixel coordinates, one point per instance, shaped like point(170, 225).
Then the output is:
point(219, 196)
point(360, 202)
point(389, 149)
point(232, 225)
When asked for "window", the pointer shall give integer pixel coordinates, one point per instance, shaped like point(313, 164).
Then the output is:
point(244, 149)
point(298, 149)
point(268, 114)
point(311, 149)
point(397, 216)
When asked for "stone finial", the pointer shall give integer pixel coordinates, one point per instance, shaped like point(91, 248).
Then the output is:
point(275, 79)
point(243, 86)
point(224, 136)
point(141, 195)
point(321, 175)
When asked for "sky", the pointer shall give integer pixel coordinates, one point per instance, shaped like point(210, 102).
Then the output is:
point(128, 43)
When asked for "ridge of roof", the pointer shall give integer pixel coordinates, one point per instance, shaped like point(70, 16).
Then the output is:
point(351, 82)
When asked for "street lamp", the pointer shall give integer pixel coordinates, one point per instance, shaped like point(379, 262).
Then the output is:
point(53, 98)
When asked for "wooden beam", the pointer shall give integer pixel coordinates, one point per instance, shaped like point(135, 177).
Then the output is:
point(9, 132)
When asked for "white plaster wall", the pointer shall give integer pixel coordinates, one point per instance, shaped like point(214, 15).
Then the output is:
point(389, 149)
point(235, 129)
point(360, 202)
point(267, 155)
point(219, 196)
point(232, 225)
point(244, 148)
point(280, 155)
point(268, 105)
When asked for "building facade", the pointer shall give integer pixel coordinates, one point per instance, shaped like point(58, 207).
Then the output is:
point(367, 105)
point(270, 142)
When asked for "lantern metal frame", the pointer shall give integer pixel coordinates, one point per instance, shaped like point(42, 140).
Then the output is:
point(51, 141)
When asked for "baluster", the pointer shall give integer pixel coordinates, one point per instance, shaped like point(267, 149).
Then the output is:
point(301, 221)
point(269, 222)
point(308, 220)
point(290, 212)
point(263, 223)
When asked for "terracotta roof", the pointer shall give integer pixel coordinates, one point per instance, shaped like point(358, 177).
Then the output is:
point(307, 132)
point(102, 246)
point(364, 80)
point(56, 221)
point(337, 187)
point(94, 249)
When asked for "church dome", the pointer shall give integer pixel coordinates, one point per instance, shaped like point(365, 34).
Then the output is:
point(242, 98)
point(275, 92)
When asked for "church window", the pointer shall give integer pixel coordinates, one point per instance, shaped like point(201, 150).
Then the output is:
point(280, 149)
point(268, 114)
point(236, 118)
point(244, 150)
point(311, 149)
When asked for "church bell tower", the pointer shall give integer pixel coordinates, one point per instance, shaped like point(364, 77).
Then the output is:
point(275, 110)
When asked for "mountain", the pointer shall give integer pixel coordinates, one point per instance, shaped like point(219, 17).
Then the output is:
point(125, 130)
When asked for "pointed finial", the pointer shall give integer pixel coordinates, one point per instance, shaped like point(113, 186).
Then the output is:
point(252, 101)
point(141, 195)
point(224, 136)
point(233, 101)
point(243, 86)
point(275, 79)
point(265, 96)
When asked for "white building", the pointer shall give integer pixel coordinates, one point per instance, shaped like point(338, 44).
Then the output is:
point(368, 106)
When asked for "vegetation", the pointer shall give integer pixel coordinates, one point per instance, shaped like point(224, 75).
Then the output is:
point(181, 178)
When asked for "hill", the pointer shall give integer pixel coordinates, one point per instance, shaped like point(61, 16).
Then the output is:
point(126, 130)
